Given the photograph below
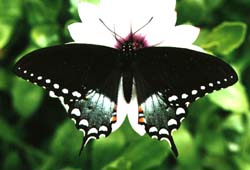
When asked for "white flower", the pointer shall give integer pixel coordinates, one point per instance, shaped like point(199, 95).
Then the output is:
point(124, 17)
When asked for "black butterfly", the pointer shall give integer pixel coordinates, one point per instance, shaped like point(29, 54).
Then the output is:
point(160, 82)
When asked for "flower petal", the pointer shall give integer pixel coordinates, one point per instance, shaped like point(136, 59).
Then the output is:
point(81, 33)
point(157, 30)
point(88, 11)
point(181, 36)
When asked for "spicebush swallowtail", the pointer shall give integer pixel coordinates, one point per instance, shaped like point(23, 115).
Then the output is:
point(95, 83)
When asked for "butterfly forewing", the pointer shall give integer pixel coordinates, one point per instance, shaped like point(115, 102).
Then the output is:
point(180, 73)
point(85, 79)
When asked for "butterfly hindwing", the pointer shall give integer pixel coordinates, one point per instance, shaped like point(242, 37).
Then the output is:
point(168, 79)
point(93, 115)
point(82, 78)
point(161, 119)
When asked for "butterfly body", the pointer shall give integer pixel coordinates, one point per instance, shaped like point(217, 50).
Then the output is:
point(100, 86)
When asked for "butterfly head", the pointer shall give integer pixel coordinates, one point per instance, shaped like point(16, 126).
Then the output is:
point(131, 43)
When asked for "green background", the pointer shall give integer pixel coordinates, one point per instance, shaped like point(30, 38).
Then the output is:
point(35, 132)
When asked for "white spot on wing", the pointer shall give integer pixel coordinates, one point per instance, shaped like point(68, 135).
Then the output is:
point(172, 98)
point(184, 96)
point(65, 91)
point(48, 81)
point(76, 112)
point(84, 122)
point(103, 128)
point(91, 137)
point(56, 86)
point(154, 137)
point(163, 131)
point(102, 135)
point(172, 122)
point(66, 107)
point(83, 131)
point(194, 92)
point(203, 87)
point(92, 131)
point(52, 94)
point(73, 120)
point(39, 78)
point(76, 94)
point(166, 139)
point(180, 110)
point(211, 84)
point(153, 129)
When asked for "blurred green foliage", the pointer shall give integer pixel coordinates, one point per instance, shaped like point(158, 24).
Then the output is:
point(36, 134)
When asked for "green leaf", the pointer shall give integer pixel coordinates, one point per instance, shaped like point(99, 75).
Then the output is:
point(45, 35)
point(234, 122)
point(186, 148)
point(5, 36)
point(42, 12)
point(10, 9)
point(12, 161)
point(191, 10)
point(67, 140)
point(10, 13)
point(5, 79)
point(26, 97)
point(7, 133)
point(140, 156)
point(111, 146)
point(119, 164)
point(65, 147)
point(233, 98)
point(211, 5)
point(225, 38)
point(242, 164)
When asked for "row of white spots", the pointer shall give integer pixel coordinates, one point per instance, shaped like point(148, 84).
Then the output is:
point(56, 86)
point(162, 131)
point(194, 92)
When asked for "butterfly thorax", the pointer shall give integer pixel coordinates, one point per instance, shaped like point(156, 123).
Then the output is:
point(128, 47)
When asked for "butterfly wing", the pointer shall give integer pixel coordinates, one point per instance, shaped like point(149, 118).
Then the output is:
point(83, 77)
point(168, 79)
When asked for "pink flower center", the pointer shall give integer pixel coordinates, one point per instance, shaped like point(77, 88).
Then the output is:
point(131, 43)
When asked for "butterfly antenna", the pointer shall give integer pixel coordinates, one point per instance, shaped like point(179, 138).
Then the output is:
point(113, 32)
point(144, 25)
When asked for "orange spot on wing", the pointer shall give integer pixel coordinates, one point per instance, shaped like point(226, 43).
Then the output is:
point(141, 120)
point(140, 109)
point(114, 119)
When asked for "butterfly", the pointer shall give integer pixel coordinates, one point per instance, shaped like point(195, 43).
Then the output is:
point(99, 86)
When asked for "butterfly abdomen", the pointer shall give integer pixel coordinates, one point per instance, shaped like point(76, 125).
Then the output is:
point(127, 77)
